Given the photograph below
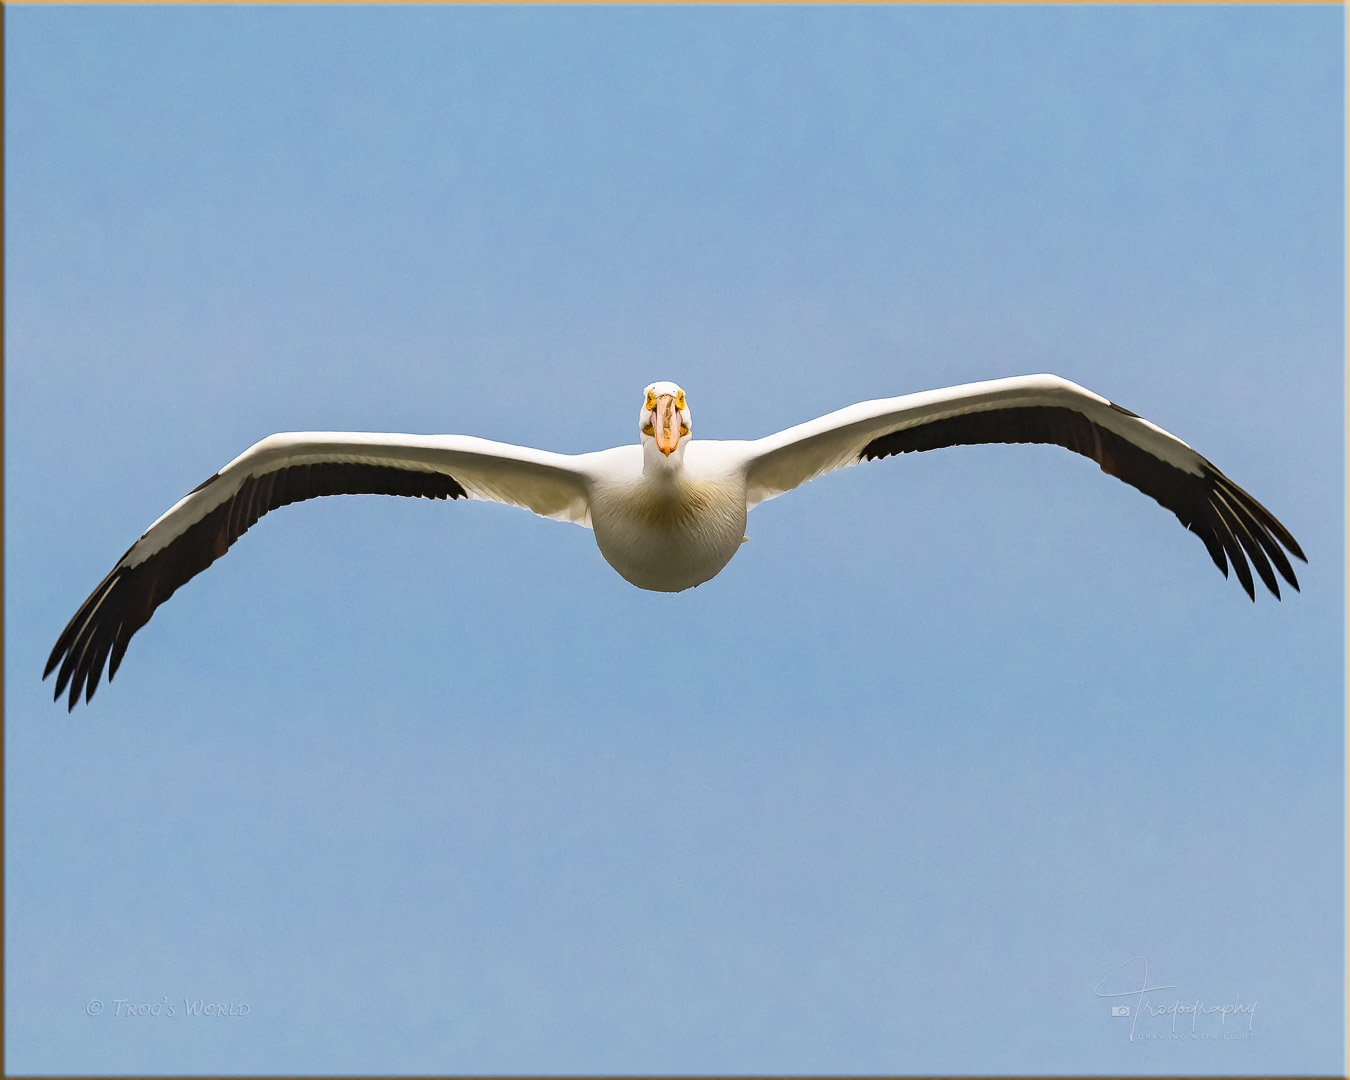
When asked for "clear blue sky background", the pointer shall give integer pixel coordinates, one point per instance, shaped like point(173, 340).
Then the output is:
point(428, 787)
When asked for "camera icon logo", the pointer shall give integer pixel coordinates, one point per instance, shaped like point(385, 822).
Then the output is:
point(1120, 1010)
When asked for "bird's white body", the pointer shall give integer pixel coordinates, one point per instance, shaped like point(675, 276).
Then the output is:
point(668, 512)
point(663, 524)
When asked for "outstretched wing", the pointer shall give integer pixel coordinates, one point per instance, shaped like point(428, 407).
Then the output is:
point(1038, 409)
point(284, 469)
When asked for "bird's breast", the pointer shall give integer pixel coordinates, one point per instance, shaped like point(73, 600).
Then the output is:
point(669, 536)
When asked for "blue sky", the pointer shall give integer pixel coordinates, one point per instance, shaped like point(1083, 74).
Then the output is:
point(430, 788)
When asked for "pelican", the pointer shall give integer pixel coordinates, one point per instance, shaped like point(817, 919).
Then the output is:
point(668, 512)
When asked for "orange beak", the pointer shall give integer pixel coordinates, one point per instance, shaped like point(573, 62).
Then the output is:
point(666, 424)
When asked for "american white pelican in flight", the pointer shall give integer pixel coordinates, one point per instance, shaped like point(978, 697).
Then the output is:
point(668, 511)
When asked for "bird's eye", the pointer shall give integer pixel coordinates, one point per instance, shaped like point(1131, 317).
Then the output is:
point(651, 400)
point(679, 400)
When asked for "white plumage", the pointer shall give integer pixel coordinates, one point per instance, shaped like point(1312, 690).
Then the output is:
point(668, 512)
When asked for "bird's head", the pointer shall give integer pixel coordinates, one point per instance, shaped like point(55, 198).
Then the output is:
point(664, 420)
